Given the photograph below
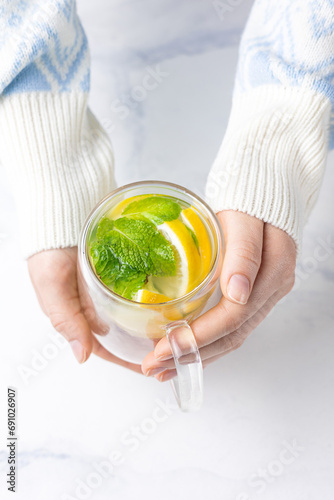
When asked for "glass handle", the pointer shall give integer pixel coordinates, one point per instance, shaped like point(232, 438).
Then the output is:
point(188, 385)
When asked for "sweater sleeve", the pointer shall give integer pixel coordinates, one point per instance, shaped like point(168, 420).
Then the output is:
point(272, 159)
point(58, 158)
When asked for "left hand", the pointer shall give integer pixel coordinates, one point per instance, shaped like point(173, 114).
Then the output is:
point(258, 271)
point(54, 276)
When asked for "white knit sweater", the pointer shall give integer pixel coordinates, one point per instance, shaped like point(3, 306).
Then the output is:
point(60, 160)
point(272, 158)
point(58, 157)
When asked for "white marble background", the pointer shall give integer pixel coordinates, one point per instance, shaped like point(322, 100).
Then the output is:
point(275, 392)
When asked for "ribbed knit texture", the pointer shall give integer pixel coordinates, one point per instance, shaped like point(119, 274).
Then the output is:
point(60, 161)
point(57, 156)
point(60, 164)
point(273, 155)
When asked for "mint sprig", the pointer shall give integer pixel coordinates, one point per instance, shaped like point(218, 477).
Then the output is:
point(129, 249)
point(129, 281)
point(157, 209)
point(107, 266)
point(121, 278)
point(138, 244)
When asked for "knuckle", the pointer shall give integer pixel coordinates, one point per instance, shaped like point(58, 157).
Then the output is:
point(227, 343)
point(61, 327)
point(234, 323)
point(233, 341)
point(248, 251)
point(58, 322)
point(62, 323)
point(230, 321)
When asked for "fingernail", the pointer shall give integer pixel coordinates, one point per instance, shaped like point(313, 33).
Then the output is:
point(238, 288)
point(166, 375)
point(78, 351)
point(154, 371)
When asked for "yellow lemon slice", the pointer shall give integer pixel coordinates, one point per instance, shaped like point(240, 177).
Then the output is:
point(148, 297)
point(188, 261)
point(194, 222)
point(116, 211)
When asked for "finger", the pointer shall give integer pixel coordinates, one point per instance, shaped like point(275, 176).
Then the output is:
point(151, 367)
point(211, 360)
point(170, 374)
point(150, 364)
point(227, 317)
point(59, 298)
point(220, 347)
point(234, 340)
point(69, 321)
point(243, 252)
point(166, 375)
point(100, 351)
point(276, 272)
point(221, 320)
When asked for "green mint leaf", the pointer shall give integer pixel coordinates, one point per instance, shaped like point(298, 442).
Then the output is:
point(129, 281)
point(105, 226)
point(139, 245)
point(126, 239)
point(162, 256)
point(106, 265)
point(157, 209)
point(126, 251)
point(122, 279)
point(130, 240)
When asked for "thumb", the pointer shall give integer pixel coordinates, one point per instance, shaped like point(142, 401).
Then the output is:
point(243, 253)
point(54, 276)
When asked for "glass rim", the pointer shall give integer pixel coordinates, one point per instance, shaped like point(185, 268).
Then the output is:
point(82, 248)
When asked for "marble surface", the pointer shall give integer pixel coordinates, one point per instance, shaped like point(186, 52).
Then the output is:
point(98, 431)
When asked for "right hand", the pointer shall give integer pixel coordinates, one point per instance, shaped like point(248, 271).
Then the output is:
point(54, 276)
point(262, 259)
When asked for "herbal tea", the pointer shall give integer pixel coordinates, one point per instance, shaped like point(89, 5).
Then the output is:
point(151, 248)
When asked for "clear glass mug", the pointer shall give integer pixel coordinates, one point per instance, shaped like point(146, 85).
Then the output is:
point(135, 328)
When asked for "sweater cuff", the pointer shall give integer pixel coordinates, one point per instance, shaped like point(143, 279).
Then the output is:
point(59, 162)
point(273, 156)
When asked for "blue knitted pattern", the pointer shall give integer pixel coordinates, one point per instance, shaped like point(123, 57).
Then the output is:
point(289, 42)
point(42, 47)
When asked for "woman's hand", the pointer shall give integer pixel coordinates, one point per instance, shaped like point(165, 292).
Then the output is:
point(258, 270)
point(54, 276)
